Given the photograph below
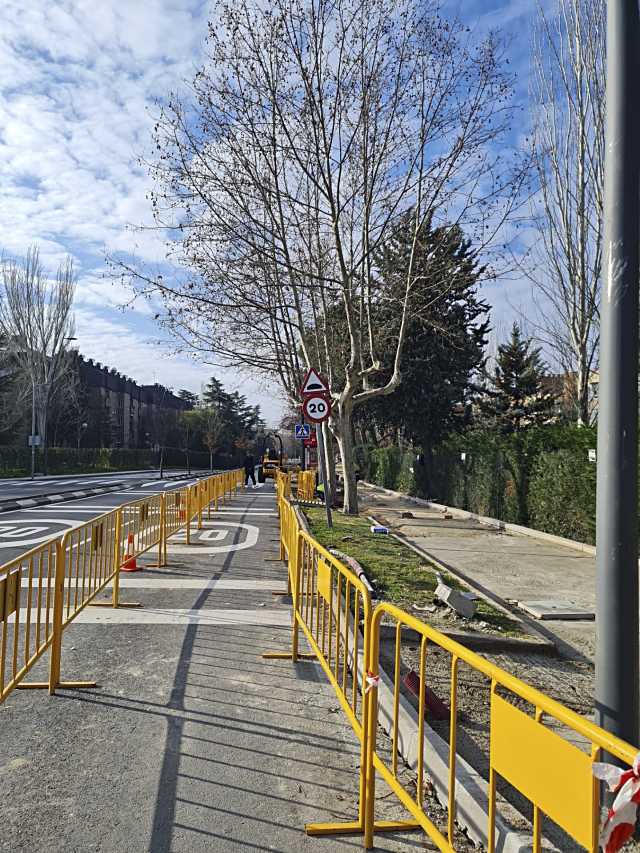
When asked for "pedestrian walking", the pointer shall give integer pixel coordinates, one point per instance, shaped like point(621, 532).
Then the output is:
point(249, 469)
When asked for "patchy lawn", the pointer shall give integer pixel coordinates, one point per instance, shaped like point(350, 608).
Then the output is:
point(399, 574)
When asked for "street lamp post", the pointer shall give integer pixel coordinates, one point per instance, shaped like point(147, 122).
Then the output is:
point(617, 659)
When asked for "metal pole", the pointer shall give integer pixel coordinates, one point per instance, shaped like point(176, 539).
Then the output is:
point(323, 475)
point(33, 430)
point(617, 657)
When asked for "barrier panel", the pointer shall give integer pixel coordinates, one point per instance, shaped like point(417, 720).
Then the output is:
point(534, 749)
point(27, 593)
point(42, 591)
point(306, 486)
point(542, 749)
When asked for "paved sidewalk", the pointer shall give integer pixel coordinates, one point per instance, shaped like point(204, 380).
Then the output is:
point(191, 742)
point(513, 566)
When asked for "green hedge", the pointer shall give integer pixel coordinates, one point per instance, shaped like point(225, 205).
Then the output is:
point(16, 461)
point(541, 478)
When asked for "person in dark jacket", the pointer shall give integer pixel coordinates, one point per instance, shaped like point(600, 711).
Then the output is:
point(249, 469)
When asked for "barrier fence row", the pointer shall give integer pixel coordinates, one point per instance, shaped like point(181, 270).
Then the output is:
point(306, 485)
point(42, 591)
point(542, 749)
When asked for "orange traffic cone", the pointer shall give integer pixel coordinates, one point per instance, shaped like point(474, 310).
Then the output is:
point(130, 564)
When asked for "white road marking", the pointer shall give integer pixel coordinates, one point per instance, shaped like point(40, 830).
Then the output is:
point(162, 616)
point(74, 508)
point(68, 522)
point(251, 539)
point(257, 584)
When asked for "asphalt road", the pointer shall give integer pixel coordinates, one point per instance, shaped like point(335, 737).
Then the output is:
point(23, 487)
point(28, 526)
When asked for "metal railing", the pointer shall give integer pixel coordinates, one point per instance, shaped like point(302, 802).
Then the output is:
point(306, 486)
point(42, 591)
point(544, 750)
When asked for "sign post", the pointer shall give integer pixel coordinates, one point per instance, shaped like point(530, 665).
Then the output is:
point(316, 407)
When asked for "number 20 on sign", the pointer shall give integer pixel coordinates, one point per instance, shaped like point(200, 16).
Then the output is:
point(316, 408)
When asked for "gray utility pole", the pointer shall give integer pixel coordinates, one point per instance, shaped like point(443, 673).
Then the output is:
point(323, 475)
point(617, 681)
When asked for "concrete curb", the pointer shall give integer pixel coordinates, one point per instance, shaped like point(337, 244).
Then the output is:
point(40, 500)
point(487, 521)
point(472, 798)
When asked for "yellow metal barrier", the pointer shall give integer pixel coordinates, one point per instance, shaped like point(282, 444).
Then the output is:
point(541, 761)
point(27, 593)
point(42, 591)
point(306, 485)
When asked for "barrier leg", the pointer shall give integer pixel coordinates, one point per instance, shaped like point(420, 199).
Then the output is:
point(294, 655)
point(188, 516)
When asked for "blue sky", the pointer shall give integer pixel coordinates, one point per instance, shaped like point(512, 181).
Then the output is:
point(77, 81)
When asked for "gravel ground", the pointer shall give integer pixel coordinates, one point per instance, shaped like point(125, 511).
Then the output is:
point(569, 678)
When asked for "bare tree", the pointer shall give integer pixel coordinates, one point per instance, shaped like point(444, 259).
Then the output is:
point(211, 427)
point(568, 90)
point(317, 125)
point(36, 323)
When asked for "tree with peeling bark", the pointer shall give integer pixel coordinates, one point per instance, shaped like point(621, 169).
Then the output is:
point(315, 127)
point(568, 92)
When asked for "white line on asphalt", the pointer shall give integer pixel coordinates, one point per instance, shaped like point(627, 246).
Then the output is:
point(258, 584)
point(158, 616)
point(47, 508)
point(249, 510)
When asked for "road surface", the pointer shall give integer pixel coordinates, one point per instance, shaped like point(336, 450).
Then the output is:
point(23, 487)
point(28, 526)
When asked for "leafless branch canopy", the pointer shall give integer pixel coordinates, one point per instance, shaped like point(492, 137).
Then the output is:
point(568, 144)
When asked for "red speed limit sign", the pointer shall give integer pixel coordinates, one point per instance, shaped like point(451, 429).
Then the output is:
point(316, 408)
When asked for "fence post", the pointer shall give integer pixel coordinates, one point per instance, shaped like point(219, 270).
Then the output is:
point(366, 806)
point(117, 559)
point(293, 588)
point(58, 607)
point(162, 541)
point(188, 515)
point(200, 496)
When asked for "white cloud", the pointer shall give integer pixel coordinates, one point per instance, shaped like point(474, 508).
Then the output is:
point(78, 83)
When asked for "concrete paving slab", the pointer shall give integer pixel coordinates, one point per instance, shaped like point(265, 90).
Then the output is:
point(554, 609)
point(516, 567)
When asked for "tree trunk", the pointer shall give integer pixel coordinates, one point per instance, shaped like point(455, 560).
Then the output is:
point(211, 460)
point(347, 456)
point(582, 391)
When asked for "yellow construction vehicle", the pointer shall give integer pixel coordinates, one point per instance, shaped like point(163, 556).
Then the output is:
point(272, 459)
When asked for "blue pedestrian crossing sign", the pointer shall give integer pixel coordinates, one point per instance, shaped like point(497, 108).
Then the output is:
point(303, 430)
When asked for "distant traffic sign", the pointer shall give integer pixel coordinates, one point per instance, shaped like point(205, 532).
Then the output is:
point(314, 383)
point(316, 408)
point(303, 430)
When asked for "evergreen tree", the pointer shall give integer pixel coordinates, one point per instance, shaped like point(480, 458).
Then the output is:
point(517, 397)
point(446, 334)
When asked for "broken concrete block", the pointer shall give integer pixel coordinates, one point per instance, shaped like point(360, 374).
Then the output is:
point(407, 514)
point(455, 599)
